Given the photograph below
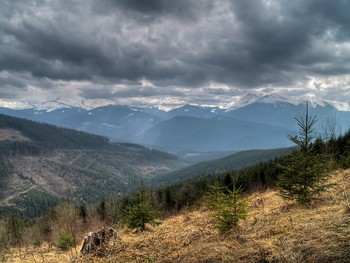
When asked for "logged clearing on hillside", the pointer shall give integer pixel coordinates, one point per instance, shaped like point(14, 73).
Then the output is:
point(275, 231)
point(12, 135)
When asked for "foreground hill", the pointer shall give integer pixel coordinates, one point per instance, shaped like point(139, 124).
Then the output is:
point(275, 231)
point(41, 163)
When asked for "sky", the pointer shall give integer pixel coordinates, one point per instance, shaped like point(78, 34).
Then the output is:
point(168, 53)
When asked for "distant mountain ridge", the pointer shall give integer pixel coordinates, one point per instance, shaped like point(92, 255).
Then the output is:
point(239, 101)
point(270, 118)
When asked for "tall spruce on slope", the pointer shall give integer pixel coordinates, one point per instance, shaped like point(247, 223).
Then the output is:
point(304, 173)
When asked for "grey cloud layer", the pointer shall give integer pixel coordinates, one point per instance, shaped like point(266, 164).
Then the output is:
point(187, 44)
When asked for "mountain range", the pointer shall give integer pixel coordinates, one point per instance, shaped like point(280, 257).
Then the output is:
point(255, 120)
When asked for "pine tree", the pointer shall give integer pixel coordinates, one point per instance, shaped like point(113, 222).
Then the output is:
point(228, 207)
point(14, 231)
point(140, 211)
point(304, 174)
point(83, 212)
point(101, 210)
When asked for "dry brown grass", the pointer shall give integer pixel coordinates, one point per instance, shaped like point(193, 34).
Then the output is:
point(275, 231)
point(38, 254)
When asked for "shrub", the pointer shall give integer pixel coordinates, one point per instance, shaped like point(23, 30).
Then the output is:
point(14, 231)
point(65, 241)
point(38, 243)
point(228, 207)
point(139, 211)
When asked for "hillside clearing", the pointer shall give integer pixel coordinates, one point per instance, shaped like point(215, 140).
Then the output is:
point(12, 135)
point(275, 231)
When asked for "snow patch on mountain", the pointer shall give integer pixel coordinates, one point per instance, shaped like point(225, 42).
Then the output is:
point(277, 98)
point(59, 103)
point(247, 98)
point(244, 100)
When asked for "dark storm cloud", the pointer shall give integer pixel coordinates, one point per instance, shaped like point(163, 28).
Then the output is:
point(61, 48)
point(273, 41)
point(12, 82)
point(127, 92)
point(184, 43)
point(52, 51)
point(156, 6)
point(333, 13)
point(11, 87)
point(150, 10)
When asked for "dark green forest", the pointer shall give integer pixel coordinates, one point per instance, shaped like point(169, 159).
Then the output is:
point(45, 137)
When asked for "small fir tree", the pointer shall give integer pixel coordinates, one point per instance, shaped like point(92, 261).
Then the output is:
point(65, 240)
point(83, 212)
point(140, 210)
point(101, 210)
point(305, 172)
point(14, 231)
point(228, 207)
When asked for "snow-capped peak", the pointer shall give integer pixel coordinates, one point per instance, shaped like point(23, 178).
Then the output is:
point(310, 98)
point(341, 106)
point(274, 98)
point(51, 105)
point(257, 96)
point(59, 103)
point(245, 99)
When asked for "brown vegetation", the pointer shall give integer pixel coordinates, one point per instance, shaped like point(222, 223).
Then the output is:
point(275, 231)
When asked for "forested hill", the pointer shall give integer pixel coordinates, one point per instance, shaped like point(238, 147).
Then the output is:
point(43, 137)
point(41, 163)
point(40, 136)
point(235, 161)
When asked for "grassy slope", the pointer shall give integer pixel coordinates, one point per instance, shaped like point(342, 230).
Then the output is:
point(275, 231)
